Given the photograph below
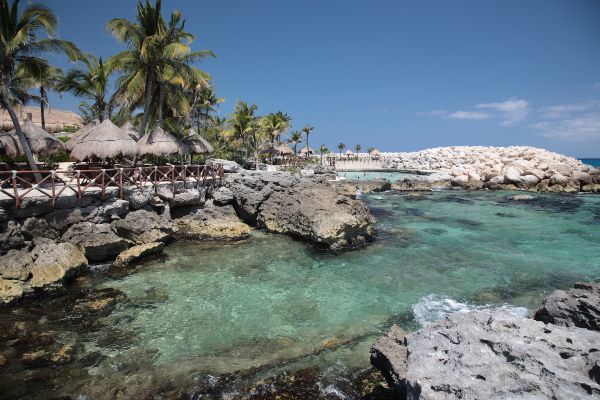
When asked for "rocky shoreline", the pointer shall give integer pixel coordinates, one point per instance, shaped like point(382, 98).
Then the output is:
point(507, 168)
point(42, 246)
point(494, 354)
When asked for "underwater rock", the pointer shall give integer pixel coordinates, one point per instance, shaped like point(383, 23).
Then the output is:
point(578, 307)
point(351, 186)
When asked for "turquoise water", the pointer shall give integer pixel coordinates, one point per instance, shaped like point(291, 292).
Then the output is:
point(271, 303)
point(391, 176)
point(594, 162)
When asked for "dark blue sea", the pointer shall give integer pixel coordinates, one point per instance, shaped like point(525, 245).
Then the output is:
point(594, 162)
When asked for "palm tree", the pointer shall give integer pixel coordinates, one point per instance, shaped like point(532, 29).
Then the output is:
point(323, 150)
point(274, 125)
point(92, 83)
point(158, 54)
point(47, 79)
point(341, 148)
point(20, 45)
point(358, 148)
point(243, 122)
point(203, 102)
point(296, 137)
point(307, 130)
point(370, 150)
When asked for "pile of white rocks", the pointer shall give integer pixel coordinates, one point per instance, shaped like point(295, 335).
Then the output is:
point(476, 167)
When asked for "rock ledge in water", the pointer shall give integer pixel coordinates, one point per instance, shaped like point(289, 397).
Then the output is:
point(578, 307)
point(492, 354)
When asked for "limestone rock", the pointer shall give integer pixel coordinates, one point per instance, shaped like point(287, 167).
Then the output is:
point(213, 223)
point(388, 355)
point(351, 186)
point(493, 354)
point(143, 226)
point(222, 196)
point(54, 262)
point(138, 198)
point(578, 307)
point(10, 290)
point(34, 227)
point(228, 166)
point(62, 219)
point(98, 241)
point(16, 264)
point(115, 208)
point(188, 197)
point(11, 236)
point(307, 208)
point(136, 253)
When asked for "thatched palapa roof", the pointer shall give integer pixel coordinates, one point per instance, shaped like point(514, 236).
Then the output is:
point(197, 144)
point(129, 128)
point(80, 134)
point(376, 153)
point(281, 149)
point(349, 152)
point(307, 149)
point(105, 141)
point(56, 120)
point(160, 143)
point(41, 142)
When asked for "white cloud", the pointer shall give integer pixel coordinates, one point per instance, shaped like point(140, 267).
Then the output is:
point(584, 128)
point(434, 113)
point(512, 111)
point(473, 115)
point(563, 110)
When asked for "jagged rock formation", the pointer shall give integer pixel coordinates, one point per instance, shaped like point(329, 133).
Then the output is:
point(578, 307)
point(308, 208)
point(491, 354)
point(476, 167)
point(494, 354)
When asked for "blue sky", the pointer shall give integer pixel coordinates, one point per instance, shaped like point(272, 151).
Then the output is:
point(396, 75)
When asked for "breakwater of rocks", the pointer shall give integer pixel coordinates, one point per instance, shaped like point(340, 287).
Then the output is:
point(479, 167)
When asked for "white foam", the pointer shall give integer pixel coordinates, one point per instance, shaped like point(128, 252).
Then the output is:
point(433, 308)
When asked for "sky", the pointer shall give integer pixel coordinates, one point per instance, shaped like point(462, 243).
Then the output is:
point(395, 75)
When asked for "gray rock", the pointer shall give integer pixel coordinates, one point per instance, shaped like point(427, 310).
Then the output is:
point(558, 179)
point(493, 354)
point(11, 236)
point(98, 241)
point(307, 208)
point(582, 177)
point(62, 219)
point(34, 227)
point(164, 193)
point(138, 198)
point(388, 355)
point(222, 196)
point(187, 198)
point(16, 264)
point(578, 307)
point(143, 226)
point(228, 166)
point(211, 223)
point(115, 207)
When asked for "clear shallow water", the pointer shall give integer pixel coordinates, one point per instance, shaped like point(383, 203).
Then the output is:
point(271, 303)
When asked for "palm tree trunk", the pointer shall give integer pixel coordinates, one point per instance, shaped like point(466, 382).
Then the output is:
point(43, 106)
point(147, 103)
point(161, 99)
point(20, 134)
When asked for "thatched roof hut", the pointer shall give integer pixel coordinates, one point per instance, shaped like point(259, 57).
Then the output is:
point(9, 145)
point(376, 153)
point(105, 141)
point(160, 143)
point(349, 152)
point(129, 128)
point(196, 144)
point(41, 142)
point(307, 150)
point(281, 149)
point(80, 134)
point(56, 120)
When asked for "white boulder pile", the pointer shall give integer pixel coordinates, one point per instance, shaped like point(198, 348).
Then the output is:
point(476, 167)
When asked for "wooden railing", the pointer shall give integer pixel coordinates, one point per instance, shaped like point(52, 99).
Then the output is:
point(18, 184)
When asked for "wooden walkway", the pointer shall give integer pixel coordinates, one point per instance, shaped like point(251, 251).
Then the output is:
point(55, 183)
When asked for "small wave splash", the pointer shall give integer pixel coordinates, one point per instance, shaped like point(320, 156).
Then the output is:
point(433, 308)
